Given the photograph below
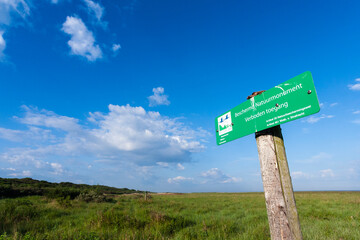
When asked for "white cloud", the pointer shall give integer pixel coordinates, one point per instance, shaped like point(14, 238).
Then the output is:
point(158, 98)
point(322, 155)
point(305, 130)
point(357, 121)
point(314, 119)
point(316, 158)
point(9, 169)
point(13, 8)
point(116, 47)
point(179, 179)
point(10, 10)
point(144, 171)
point(97, 10)
point(326, 173)
point(124, 134)
point(356, 112)
point(133, 129)
point(216, 175)
point(82, 41)
point(33, 133)
point(57, 167)
point(24, 173)
point(333, 104)
point(163, 164)
point(25, 156)
point(356, 86)
point(49, 119)
point(180, 166)
point(299, 174)
point(2, 45)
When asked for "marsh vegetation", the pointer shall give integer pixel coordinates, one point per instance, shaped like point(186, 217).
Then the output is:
point(96, 215)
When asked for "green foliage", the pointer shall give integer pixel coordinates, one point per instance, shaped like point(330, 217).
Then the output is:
point(4, 236)
point(14, 187)
point(92, 196)
point(28, 236)
point(323, 216)
point(17, 212)
point(64, 202)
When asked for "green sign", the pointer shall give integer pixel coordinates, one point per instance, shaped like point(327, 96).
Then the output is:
point(291, 100)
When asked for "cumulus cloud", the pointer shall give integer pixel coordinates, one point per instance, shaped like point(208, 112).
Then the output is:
point(125, 134)
point(217, 176)
point(132, 128)
point(82, 40)
point(180, 179)
point(315, 119)
point(327, 173)
point(158, 98)
point(356, 86)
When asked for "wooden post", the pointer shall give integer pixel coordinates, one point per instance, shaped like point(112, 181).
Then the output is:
point(280, 202)
point(279, 196)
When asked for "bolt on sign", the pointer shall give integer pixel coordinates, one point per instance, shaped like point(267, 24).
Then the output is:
point(291, 100)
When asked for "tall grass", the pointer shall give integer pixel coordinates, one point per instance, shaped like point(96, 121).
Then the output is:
point(323, 215)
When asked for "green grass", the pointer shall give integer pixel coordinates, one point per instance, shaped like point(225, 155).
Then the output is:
point(323, 215)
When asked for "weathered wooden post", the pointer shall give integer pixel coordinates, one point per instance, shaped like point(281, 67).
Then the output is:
point(279, 196)
point(262, 114)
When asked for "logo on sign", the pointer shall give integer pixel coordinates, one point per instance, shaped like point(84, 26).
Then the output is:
point(224, 123)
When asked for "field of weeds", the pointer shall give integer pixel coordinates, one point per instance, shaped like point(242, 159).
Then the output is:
point(323, 215)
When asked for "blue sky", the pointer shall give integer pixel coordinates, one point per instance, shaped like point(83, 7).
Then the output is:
point(124, 93)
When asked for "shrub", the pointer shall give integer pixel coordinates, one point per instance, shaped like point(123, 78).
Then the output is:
point(64, 202)
point(62, 192)
point(4, 236)
point(92, 196)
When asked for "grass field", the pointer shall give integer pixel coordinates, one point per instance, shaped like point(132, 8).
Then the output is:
point(323, 215)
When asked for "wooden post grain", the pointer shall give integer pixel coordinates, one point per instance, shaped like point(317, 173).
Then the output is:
point(280, 202)
point(279, 196)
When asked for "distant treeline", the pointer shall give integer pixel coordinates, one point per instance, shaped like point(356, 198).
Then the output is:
point(15, 187)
